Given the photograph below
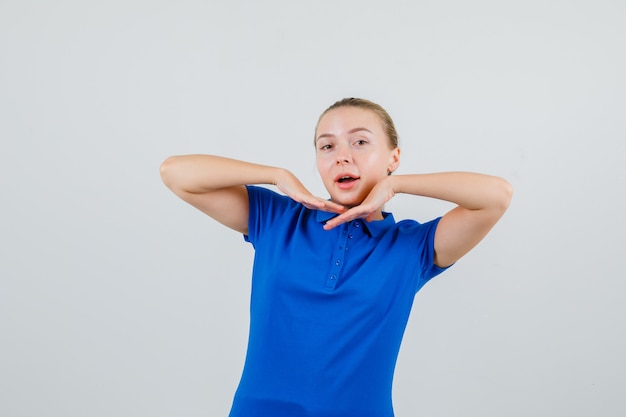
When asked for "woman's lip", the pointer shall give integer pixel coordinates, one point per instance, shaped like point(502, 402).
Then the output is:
point(346, 175)
point(347, 184)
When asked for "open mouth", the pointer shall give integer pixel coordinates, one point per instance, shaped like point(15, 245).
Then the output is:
point(346, 179)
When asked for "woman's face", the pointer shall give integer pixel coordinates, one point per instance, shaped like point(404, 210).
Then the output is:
point(353, 153)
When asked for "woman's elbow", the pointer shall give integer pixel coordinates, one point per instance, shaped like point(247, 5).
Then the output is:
point(504, 195)
point(168, 170)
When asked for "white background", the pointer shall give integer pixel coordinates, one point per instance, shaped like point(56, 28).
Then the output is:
point(118, 299)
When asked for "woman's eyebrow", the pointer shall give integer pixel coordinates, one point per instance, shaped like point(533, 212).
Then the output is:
point(325, 135)
point(354, 130)
point(359, 129)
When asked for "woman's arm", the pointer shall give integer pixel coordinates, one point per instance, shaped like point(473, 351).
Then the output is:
point(216, 186)
point(481, 199)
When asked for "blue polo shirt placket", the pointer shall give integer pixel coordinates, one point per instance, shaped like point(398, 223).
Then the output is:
point(350, 233)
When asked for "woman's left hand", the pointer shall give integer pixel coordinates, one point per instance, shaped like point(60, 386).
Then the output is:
point(369, 209)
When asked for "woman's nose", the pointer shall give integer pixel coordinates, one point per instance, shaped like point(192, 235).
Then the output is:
point(343, 156)
point(343, 159)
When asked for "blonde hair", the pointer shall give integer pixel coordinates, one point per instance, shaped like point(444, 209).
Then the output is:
point(388, 126)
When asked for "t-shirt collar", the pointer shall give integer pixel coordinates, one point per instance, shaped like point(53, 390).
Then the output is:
point(374, 228)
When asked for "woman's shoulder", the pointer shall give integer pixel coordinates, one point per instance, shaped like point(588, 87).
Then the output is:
point(411, 224)
point(411, 229)
point(263, 195)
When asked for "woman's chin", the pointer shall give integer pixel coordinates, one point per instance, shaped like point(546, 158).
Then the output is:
point(345, 201)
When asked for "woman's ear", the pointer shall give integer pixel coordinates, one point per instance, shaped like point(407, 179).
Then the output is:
point(394, 161)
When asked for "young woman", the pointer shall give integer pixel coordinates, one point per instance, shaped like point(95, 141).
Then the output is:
point(334, 279)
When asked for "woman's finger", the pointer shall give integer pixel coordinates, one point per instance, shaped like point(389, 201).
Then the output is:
point(348, 216)
point(333, 207)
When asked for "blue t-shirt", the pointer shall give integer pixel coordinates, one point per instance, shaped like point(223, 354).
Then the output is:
point(328, 309)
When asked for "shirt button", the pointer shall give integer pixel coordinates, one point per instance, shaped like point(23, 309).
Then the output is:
point(333, 277)
point(338, 262)
point(357, 224)
point(350, 236)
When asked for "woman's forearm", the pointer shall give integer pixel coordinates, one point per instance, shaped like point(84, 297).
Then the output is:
point(199, 174)
point(469, 190)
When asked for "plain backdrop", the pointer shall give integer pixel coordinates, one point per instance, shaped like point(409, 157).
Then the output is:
point(118, 299)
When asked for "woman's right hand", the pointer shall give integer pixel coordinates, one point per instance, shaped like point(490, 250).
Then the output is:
point(291, 186)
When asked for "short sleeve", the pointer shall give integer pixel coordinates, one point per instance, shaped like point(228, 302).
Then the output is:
point(421, 244)
point(266, 207)
point(430, 270)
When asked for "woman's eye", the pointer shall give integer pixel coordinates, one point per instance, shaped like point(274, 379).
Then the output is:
point(325, 147)
point(361, 142)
